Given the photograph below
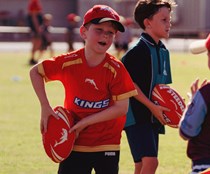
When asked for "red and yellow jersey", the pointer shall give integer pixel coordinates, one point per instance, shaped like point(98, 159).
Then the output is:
point(90, 90)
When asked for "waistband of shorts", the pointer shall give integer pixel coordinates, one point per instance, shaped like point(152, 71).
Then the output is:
point(96, 148)
point(201, 161)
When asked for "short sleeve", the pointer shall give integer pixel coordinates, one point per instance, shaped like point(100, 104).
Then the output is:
point(51, 69)
point(122, 86)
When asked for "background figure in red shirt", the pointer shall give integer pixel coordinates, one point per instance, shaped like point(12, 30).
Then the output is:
point(35, 20)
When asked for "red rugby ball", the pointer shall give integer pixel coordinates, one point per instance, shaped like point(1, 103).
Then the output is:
point(164, 95)
point(57, 141)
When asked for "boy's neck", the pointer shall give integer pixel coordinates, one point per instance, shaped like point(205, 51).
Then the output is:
point(156, 39)
point(93, 59)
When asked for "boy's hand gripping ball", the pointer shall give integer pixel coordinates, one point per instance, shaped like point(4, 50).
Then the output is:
point(57, 141)
point(164, 95)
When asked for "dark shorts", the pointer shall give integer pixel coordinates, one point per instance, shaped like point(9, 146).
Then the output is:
point(84, 162)
point(31, 24)
point(200, 165)
point(45, 43)
point(143, 140)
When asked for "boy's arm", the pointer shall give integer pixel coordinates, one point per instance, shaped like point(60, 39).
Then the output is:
point(193, 118)
point(39, 88)
point(119, 108)
point(155, 109)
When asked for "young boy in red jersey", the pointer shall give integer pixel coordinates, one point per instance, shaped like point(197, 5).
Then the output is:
point(97, 88)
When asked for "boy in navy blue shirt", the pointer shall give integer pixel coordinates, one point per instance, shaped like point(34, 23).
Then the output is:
point(148, 64)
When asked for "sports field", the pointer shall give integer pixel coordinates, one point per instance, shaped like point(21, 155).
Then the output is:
point(21, 150)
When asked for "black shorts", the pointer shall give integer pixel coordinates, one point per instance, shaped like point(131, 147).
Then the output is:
point(143, 140)
point(31, 24)
point(45, 43)
point(200, 165)
point(84, 162)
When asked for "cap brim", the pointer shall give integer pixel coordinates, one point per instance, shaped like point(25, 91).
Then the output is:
point(120, 27)
point(198, 47)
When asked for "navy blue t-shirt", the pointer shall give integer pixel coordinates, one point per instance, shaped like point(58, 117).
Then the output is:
point(148, 64)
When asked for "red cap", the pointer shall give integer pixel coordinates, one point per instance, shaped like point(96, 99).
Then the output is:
point(102, 13)
point(208, 42)
point(73, 17)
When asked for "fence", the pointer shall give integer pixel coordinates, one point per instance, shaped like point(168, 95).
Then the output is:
point(11, 33)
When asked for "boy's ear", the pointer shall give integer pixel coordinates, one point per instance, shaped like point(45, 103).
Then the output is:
point(83, 32)
point(147, 23)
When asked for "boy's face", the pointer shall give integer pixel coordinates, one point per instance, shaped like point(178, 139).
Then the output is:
point(160, 24)
point(98, 37)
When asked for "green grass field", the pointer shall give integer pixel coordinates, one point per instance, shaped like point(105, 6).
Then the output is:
point(21, 150)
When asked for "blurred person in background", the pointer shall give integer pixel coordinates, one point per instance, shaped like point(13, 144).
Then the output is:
point(73, 20)
point(46, 35)
point(20, 18)
point(122, 40)
point(35, 20)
